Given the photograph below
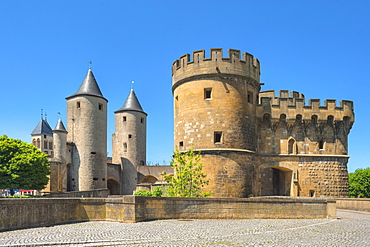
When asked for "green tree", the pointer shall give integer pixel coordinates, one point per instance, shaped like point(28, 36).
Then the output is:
point(22, 165)
point(359, 183)
point(188, 179)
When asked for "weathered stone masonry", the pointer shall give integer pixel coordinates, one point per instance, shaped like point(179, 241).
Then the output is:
point(256, 143)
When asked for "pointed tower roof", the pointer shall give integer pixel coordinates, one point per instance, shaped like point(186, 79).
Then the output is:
point(131, 104)
point(89, 86)
point(43, 128)
point(60, 127)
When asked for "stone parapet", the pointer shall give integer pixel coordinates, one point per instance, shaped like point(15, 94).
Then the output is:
point(38, 212)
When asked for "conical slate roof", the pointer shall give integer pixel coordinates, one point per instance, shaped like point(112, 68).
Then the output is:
point(131, 104)
point(89, 86)
point(60, 127)
point(43, 128)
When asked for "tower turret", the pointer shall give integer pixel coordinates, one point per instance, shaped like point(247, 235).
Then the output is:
point(87, 125)
point(42, 137)
point(129, 141)
point(60, 154)
point(215, 111)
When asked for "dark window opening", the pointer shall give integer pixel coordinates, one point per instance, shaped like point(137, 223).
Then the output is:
point(124, 119)
point(181, 144)
point(95, 178)
point(93, 152)
point(207, 93)
point(321, 144)
point(78, 105)
point(142, 120)
point(311, 193)
point(129, 136)
point(103, 179)
point(250, 97)
point(217, 137)
point(125, 147)
point(291, 147)
point(100, 106)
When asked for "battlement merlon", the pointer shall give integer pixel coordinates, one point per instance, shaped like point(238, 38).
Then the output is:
point(293, 106)
point(197, 64)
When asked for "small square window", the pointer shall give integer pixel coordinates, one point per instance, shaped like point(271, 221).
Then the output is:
point(208, 93)
point(129, 136)
point(218, 137)
point(181, 144)
point(124, 119)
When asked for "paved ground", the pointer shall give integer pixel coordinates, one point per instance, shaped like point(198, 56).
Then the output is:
point(350, 229)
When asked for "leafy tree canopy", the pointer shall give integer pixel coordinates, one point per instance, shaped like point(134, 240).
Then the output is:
point(359, 183)
point(22, 165)
point(188, 179)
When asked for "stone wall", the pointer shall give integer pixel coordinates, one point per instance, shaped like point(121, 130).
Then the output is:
point(19, 213)
point(87, 193)
point(358, 204)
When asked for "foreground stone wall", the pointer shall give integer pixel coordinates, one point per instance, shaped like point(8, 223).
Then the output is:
point(19, 213)
point(358, 204)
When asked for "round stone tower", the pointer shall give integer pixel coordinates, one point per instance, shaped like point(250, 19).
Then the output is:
point(60, 153)
point(87, 125)
point(215, 112)
point(129, 140)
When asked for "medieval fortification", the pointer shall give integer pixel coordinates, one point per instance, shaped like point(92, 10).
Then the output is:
point(252, 142)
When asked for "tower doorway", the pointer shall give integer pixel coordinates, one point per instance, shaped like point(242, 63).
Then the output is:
point(113, 187)
point(276, 181)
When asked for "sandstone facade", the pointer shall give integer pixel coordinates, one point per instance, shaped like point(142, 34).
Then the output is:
point(254, 142)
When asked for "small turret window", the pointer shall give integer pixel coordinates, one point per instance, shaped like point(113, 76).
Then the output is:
point(100, 106)
point(124, 119)
point(208, 93)
point(78, 105)
point(218, 137)
point(142, 120)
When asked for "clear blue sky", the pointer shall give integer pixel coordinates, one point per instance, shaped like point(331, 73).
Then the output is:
point(319, 48)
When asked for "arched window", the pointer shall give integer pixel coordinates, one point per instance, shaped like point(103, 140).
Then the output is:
point(38, 143)
point(34, 142)
point(292, 147)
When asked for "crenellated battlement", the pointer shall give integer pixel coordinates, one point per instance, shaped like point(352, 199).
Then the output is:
point(292, 104)
point(244, 65)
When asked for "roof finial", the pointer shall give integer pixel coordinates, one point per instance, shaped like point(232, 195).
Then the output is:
point(60, 115)
point(46, 116)
point(90, 65)
point(42, 114)
point(132, 85)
